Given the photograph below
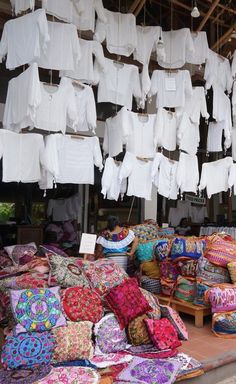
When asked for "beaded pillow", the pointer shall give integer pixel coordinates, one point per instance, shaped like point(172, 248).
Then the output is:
point(220, 251)
point(176, 321)
point(127, 302)
point(222, 299)
point(162, 333)
point(66, 272)
point(162, 249)
point(37, 309)
point(69, 375)
point(27, 350)
point(187, 247)
point(210, 272)
point(108, 335)
point(73, 342)
point(81, 304)
point(137, 331)
point(144, 252)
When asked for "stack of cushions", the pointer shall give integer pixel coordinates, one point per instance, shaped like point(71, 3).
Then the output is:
point(145, 232)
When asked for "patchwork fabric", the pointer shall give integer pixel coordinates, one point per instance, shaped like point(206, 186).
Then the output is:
point(224, 324)
point(192, 247)
point(27, 350)
point(103, 361)
point(69, 375)
point(162, 249)
point(222, 299)
point(169, 270)
point(73, 342)
point(66, 272)
point(22, 254)
point(185, 289)
point(232, 271)
point(162, 333)
point(109, 337)
point(24, 376)
point(176, 321)
point(188, 268)
point(150, 371)
point(150, 269)
point(127, 302)
point(145, 232)
point(137, 331)
point(144, 252)
point(167, 286)
point(81, 304)
point(103, 274)
point(37, 309)
point(151, 285)
point(201, 287)
point(220, 251)
point(210, 272)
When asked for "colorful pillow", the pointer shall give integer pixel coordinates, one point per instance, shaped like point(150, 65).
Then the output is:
point(27, 350)
point(224, 324)
point(37, 309)
point(152, 300)
point(66, 272)
point(151, 285)
point(103, 274)
point(31, 280)
point(201, 287)
point(210, 272)
point(47, 248)
point(150, 269)
point(127, 302)
point(192, 247)
point(137, 331)
point(169, 270)
point(108, 336)
point(188, 268)
point(176, 321)
point(23, 254)
point(166, 231)
point(145, 232)
point(162, 333)
point(222, 299)
point(24, 376)
point(73, 342)
point(69, 375)
point(110, 359)
point(167, 287)
point(162, 249)
point(220, 251)
point(144, 252)
point(185, 289)
point(82, 304)
point(9, 249)
point(232, 271)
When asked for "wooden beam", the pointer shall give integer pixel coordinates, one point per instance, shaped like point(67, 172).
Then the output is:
point(223, 39)
point(134, 6)
point(207, 15)
point(230, 10)
point(139, 8)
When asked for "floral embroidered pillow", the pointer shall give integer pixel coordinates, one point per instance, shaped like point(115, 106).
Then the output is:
point(176, 321)
point(37, 310)
point(69, 375)
point(127, 302)
point(162, 333)
point(73, 342)
point(23, 254)
point(152, 300)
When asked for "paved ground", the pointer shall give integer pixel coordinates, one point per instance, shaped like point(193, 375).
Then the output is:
point(231, 380)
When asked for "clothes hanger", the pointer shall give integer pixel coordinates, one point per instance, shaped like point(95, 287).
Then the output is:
point(118, 61)
point(78, 84)
point(145, 159)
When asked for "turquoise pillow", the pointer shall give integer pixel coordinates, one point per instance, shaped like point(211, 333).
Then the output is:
point(145, 251)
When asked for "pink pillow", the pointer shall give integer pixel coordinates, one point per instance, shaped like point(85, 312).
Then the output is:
point(162, 333)
point(176, 321)
point(127, 302)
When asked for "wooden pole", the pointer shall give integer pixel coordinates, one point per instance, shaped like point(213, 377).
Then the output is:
point(207, 15)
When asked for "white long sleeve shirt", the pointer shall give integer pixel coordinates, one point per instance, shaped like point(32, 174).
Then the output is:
point(232, 177)
point(119, 31)
point(233, 65)
point(222, 112)
point(195, 105)
point(118, 83)
point(64, 209)
point(218, 72)
point(84, 69)
point(172, 89)
point(58, 104)
point(187, 173)
point(139, 175)
point(112, 186)
point(19, 6)
point(114, 135)
point(201, 48)
point(214, 136)
point(178, 45)
point(164, 176)
point(185, 207)
point(24, 39)
point(215, 176)
point(234, 99)
point(198, 214)
point(234, 143)
point(166, 132)
point(22, 156)
point(23, 99)
point(188, 136)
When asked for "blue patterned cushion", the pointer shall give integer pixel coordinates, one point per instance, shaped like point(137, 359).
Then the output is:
point(144, 251)
point(162, 249)
point(187, 247)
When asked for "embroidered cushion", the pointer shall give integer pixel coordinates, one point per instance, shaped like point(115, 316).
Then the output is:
point(81, 304)
point(220, 251)
point(22, 254)
point(188, 268)
point(103, 274)
point(9, 249)
point(150, 269)
point(192, 247)
point(24, 376)
point(169, 270)
point(145, 232)
point(127, 301)
point(66, 272)
point(151, 285)
point(152, 300)
point(37, 309)
point(166, 231)
point(162, 333)
point(73, 342)
point(110, 359)
point(176, 321)
point(145, 251)
point(31, 280)
point(221, 298)
point(27, 350)
point(108, 336)
point(69, 375)
point(47, 248)
point(167, 286)
point(232, 271)
point(201, 287)
point(162, 249)
point(137, 331)
point(224, 324)
point(185, 289)
point(211, 272)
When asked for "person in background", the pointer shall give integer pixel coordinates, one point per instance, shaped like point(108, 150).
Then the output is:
point(183, 228)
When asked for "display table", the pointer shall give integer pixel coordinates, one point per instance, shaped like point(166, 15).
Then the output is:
point(181, 306)
point(205, 231)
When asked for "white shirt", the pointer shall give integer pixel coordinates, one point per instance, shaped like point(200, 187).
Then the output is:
point(147, 40)
point(232, 177)
point(112, 186)
point(195, 105)
point(84, 69)
point(187, 173)
point(218, 72)
point(86, 20)
point(118, 83)
point(188, 135)
point(234, 143)
point(175, 216)
point(233, 65)
point(222, 112)
point(185, 207)
point(164, 176)
point(23, 99)
point(215, 176)
point(119, 31)
point(178, 45)
point(22, 5)
point(64, 209)
point(65, 10)
point(214, 136)
point(22, 156)
point(201, 48)
point(198, 214)
point(63, 50)
point(166, 132)
point(114, 136)
point(58, 103)
point(24, 39)
point(139, 176)
point(234, 99)
point(172, 88)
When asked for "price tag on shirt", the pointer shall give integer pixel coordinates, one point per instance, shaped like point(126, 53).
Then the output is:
point(170, 84)
point(87, 243)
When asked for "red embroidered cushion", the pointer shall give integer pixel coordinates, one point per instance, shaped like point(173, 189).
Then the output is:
point(82, 304)
point(162, 333)
point(127, 302)
point(176, 321)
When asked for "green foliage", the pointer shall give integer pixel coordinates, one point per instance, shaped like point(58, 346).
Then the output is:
point(7, 210)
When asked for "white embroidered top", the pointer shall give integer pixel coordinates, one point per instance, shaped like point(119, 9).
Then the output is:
point(164, 176)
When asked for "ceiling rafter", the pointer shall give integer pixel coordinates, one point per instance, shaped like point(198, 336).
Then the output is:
point(208, 14)
point(223, 39)
point(139, 8)
point(134, 6)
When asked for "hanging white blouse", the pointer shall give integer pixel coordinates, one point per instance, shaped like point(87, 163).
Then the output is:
point(198, 214)
point(178, 44)
point(19, 6)
point(24, 39)
point(185, 207)
point(58, 103)
point(233, 65)
point(187, 173)
point(201, 48)
point(23, 99)
point(119, 31)
point(222, 112)
point(232, 177)
point(172, 89)
point(215, 176)
point(114, 136)
point(234, 143)
point(118, 83)
point(195, 105)
point(139, 175)
point(64, 209)
point(166, 132)
point(164, 176)
point(22, 156)
point(218, 72)
point(234, 99)
point(84, 69)
point(86, 20)
point(188, 136)
point(112, 186)
point(214, 136)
